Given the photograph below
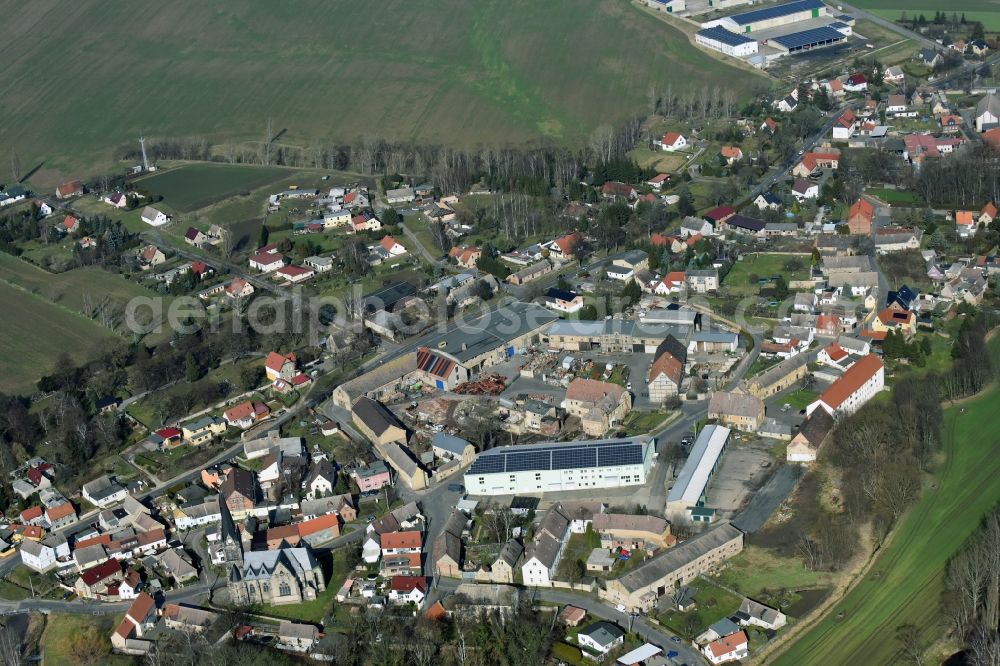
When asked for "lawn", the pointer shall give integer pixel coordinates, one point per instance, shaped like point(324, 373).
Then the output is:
point(713, 604)
point(640, 423)
point(36, 336)
point(91, 635)
point(799, 399)
point(986, 11)
point(315, 611)
point(894, 196)
point(905, 584)
point(760, 573)
point(763, 265)
point(663, 162)
point(193, 186)
point(508, 73)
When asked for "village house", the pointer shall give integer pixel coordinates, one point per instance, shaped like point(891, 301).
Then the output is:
point(859, 384)
point(673, 141)
point(601, 637)
point(465, 256)
point(666, 372)
point(69, 189)
point(631, 532)
point(278, 366)
point(859, 217)
point(739, 410)
point(599, 405)
point(246, 414)
point(408, 590)
point(728, 648)
point(987, 113)
point(202, 430)
point(154, 217)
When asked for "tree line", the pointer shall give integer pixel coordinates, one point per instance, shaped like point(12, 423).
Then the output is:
point(972, 596)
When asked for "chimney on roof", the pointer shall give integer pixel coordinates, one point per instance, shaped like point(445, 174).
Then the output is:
point(465, 347)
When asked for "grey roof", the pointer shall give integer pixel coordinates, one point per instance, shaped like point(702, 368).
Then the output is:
point(511, 552)
point(449, 443)
point(989, 103)
point(758, 610)
point(735, 404)
point(619, 327)
point(494, 329)
point(374, 415)
point(401, 459)
point(203, 422)
point(724, 627)
point(603, 633)
point(860, 262)
point(660, 565)
point(260, 564)
point(694, 475)
point(778, 371)
point(545, 549)
point(714, 336)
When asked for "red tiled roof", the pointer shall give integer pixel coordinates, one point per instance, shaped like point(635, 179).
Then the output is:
point(670, 138)
point(31, 513)
point(141, 607)
point(989, 209)
point(731, 152)
point(100, 539)
point(658, 178)
point(855, 377)
point(592, 390)
point(720, 213)
point(408, 583)
point(667, 364)
point(69, 222)
point(151, 537)
point(60, 511)
point(568, 243)
point(964, 218)
point(407, 539)
point(125, 628)
point(100, 572)
point(835, 352)
point(727, 644)
point(387, 243)
point(275, 361)
point(319, 524)
point(861, 207)
point(239, 412)
point(168, 433)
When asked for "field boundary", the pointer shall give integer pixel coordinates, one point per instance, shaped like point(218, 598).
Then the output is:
point(779, 647)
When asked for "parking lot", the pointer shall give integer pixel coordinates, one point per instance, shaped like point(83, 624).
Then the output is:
point(744, 468)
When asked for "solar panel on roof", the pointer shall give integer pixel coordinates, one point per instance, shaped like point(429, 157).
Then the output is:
point(727, 37)
point(523, 461)
point(797, 40)
point(574, 458)
point(777, 10)
point(626, 454)
point(487, 464)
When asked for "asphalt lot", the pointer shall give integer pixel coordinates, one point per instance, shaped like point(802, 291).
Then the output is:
point(744, 468)
point(769, 497)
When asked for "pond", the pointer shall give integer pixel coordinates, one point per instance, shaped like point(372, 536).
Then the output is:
point(808, 600)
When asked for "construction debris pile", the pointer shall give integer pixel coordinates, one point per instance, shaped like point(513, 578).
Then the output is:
point(485, 385)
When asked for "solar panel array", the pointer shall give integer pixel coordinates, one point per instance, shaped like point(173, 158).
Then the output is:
point(585, 455)
point(797, 40)
point(776, 11)
point(723, 36)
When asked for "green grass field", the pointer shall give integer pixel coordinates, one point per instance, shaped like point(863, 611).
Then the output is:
point(36, 333)
point(985, 11)
point(61, 629)
point(737, 281)
point(906, 582)
point(440, 71)
point(193, 186)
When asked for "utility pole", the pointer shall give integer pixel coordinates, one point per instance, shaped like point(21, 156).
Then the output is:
point(142, 146)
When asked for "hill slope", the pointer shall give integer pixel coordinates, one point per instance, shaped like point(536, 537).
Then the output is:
point(78, 78)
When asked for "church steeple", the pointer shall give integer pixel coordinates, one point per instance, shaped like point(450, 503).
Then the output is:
point(232, 542)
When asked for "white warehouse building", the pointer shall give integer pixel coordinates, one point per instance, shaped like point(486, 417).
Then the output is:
point(771, 17)
point(689, 489)
point(719, 39)
point(554, 466)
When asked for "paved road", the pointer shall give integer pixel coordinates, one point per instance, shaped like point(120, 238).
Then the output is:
point(769, 181)
point(891, 25)
point(642, 627)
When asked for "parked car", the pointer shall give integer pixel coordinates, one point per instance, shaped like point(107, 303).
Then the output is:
point(456, 487)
